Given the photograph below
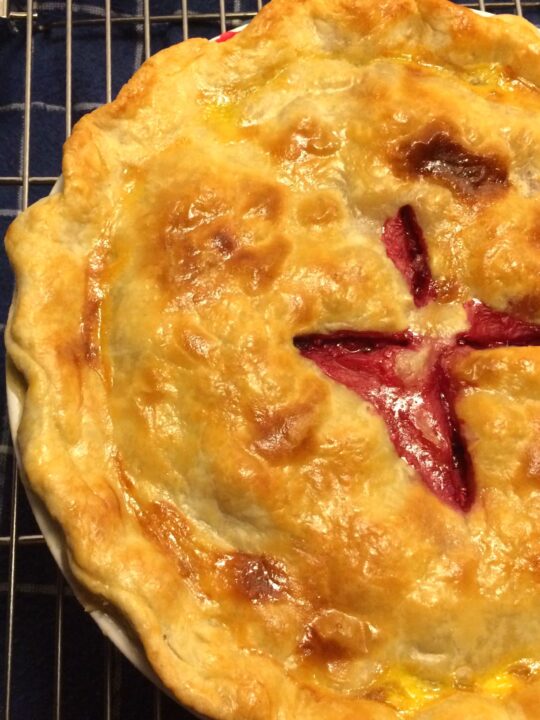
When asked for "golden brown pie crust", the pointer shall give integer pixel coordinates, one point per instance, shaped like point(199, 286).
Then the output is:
point(247, 515)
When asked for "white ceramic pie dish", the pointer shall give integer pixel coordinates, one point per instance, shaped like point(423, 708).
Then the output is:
point(111, 623)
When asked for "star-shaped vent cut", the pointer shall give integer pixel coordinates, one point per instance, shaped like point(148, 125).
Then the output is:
point(407, 378)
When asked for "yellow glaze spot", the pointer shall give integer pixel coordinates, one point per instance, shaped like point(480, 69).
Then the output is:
point(408, 693)
point(498, 685)
point(222, 116)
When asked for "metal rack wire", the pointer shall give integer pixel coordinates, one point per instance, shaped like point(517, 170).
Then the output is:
point(104, 699)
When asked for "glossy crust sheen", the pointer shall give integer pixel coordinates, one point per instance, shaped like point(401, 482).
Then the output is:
point(249, 516)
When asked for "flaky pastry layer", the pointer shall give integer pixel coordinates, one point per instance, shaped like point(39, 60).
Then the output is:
point(249, 516)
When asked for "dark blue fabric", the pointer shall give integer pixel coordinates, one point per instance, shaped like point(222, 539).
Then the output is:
point(83, 688)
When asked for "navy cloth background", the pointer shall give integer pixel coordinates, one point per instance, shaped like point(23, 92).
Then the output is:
point(35, 600)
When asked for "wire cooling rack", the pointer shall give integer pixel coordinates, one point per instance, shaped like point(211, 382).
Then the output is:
point(54, 662)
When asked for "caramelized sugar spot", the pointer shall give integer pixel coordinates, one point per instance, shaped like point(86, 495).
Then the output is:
point(285, 432)
point(257, 578)
point(165, 525)
point(334, 635)
point(436, 154)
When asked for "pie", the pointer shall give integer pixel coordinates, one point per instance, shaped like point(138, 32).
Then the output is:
point(281, 339)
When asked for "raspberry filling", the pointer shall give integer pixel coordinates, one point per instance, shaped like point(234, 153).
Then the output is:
point(491, 328)
point(406, 248)
point(408, 380)
point(416, 401)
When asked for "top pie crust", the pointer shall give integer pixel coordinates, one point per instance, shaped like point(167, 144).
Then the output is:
point(249, 516)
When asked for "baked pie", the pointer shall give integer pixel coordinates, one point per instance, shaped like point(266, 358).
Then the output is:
point(281, 339)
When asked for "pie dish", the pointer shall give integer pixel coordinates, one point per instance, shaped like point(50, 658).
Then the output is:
point(280, 338)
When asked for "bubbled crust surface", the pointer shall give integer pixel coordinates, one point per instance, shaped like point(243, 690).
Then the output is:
point(250, 517)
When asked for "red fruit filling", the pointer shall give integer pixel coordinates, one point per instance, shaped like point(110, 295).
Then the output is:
point(491, 328)
point(415, 395)
point(406, 247)
point(417, 404)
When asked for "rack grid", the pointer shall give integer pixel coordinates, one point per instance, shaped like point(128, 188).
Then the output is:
point(114, 691)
